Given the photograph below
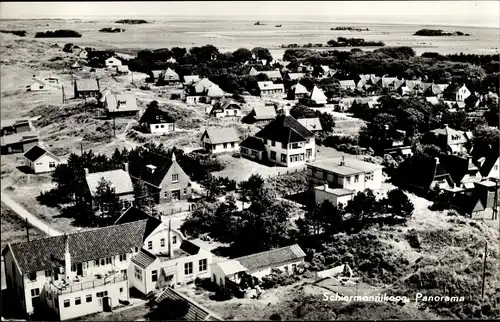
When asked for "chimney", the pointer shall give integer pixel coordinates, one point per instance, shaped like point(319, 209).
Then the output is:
point(86, 171)
point(342, 161)
point(170, 246)
point(67, 257)
point(173, 157)
point(125, 167)
point(286, 111)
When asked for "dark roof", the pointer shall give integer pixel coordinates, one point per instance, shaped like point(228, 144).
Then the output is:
point(132, 214)
point(285, 129)
point(271, 257)
point(489, 162)
point(253, 143)
point(138, 168)
point(34, 153)
point(154, 115)
point(221, 135)
point(48, 253)
point(143, 258)
point(455, 165)
point(196, 312)
point(468, 203)
point(189, 247)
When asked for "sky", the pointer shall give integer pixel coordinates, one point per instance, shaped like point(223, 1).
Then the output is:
point(483, 13)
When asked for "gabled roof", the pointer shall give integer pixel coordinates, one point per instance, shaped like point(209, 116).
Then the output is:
point(121, 103)
point(132, 214)
point(221, 135)
point(318, 96)
point(264, 113)
point(300, 89)
point(138, 168)
point(347, 83)
point(119, 179)
point(113, 58)
point(14, 122)
point(271, 257)
point(38, 81)
point(36, 152)
point(76, 65)
point(19, 137)
point(215, 91)
point(285, 129)
point(226, 105)
point(312, 124)
point(272, 73)
point(489, 162)
point(85, 85)
point(84, 246)
point(170, 74)
point(253, 72)
point(253, 143)
point(325, 68)
point(202, 85)
point(143, 258)
point(196, 312)
point(451, 136)
point(156, 115)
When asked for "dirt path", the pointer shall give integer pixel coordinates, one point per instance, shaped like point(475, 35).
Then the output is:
point(32, 219)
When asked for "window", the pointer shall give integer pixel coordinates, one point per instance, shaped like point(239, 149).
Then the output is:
point(283, 146)
point(325, 174)
point(174, 240)
point(35, 292)
point(185, 191)
point(73, 267)
point(283, 157)
point(154, 275)
point(78, 301)
point(165, 194)
point(495, 167)
point(121, 289)
point(203, 265)
point(244, 150)
point(88, 298)
point(150, 244)
point(103, 261)
point(136, 249)
point(188, 268)
point(254, 153)
point(124, 272)
point(52, 164)
point(48, 273)
point(162, 126)
point(123, 257)
point(138, 273)
point(356, 178)
point(368, 176)
point(175, 178)
point(273, 143)
point(32, 276)
point(157, 126)
point(232, 144)
point(66, 303)
point(96, 263)
point(162, 242)
point(348, 179)
point(224, 145)
point(273, 155)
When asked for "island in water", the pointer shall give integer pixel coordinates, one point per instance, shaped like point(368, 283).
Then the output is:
point(112, 30)
point(132, 21)
point(63, 33)
point(349, 28)
point(340, 42)
point(20, 33)
point(438, 32)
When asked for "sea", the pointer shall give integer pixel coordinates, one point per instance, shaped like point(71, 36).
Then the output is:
point(229, 33)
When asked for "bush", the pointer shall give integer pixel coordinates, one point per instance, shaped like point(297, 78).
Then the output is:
point(223, 294)
point(58, 34)
point(20, 33)
point(275, 317)
point(278, 278)
point(175, 96)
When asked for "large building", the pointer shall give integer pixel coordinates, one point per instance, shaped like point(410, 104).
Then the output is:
point(345, 176)
point(17, 135)
point(283, 141)
point(90, 271)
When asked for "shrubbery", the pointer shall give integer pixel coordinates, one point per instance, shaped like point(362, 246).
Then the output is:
point(58, 34)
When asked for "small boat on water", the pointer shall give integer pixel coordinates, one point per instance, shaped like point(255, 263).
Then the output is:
point(278, 26)
point(257, 23)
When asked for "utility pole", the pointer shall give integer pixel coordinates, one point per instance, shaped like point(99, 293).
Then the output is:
point(484, 268)
point(81, 148)
point(114, 126)
point(494, 214)
point(27, 230)
point(63, 98)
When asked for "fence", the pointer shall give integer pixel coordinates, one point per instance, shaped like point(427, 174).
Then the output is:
point(63, 289)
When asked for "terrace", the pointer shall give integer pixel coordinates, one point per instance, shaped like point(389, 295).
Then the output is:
point(80, 283)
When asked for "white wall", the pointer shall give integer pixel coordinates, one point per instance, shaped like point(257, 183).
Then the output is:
point(219, 148)
point(343, 182)
point(311, 144)
point(162, 128)
point(321, 195)
point(462, 94)
point(42, 164)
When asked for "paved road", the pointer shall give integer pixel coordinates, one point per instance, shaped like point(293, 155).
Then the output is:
point(32, 219)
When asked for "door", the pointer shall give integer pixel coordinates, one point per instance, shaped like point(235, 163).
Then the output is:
point(106, 304)
point(308, 154)
point(176, 195)
point(79, 269)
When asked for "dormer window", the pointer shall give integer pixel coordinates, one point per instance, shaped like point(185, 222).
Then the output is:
point(151, 168)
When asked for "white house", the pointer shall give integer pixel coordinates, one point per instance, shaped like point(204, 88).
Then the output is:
point(112, 62)
point(284, 141)
point(318, 96)
point(257, 265)
point(217, 140)
point(36, 85)
point(40, 160)
point(345, 173)
point(337, 196)
point(226, 108)
point(347, 84)
point(157, 120)
point(120, 104)
point(269, 88)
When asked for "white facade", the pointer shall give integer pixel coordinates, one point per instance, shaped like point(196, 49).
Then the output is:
point(291, 154)
point(462, 93)
point(162, 128)
point(36, 86)
point(220, 147)
point(335, 196)
point(46, 163)
point(113, 62)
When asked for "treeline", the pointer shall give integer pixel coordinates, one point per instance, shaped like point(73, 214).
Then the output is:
point(490, 63)
point(340, 42)
point(112, 30)
point(58, 34)
point(350, 29)
point(20, 33)
point(132, 21)
point(438, 32)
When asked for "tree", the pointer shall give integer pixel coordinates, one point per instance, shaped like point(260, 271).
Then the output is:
point(105, 200)
point(323, 218)
point(144, 199)
point(252, 189)
point(168, 309)
point(178, 53)
point(362, 207)
point(242, 54)
point(492, 115)
point(485, 140)
point(212, 186)
point(262, 53)
point(201, 220)
point(225, 226)
point(398, 204)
